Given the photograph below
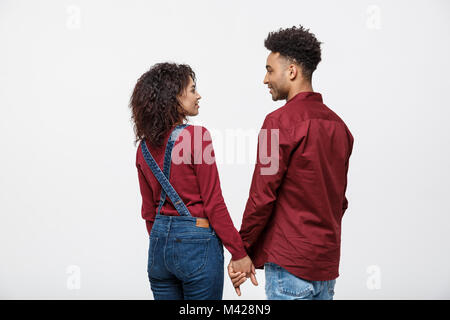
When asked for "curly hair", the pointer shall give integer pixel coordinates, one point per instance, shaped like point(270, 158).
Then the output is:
point(298, 45)
point(154, 103)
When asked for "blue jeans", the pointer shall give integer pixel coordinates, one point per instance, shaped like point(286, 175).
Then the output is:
point(184, 261)
point(283, 285)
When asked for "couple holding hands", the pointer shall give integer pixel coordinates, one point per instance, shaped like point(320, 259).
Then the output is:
point(291, 226)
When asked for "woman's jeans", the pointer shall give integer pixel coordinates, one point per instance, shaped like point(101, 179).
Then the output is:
point(184, 261)
point(283, 285)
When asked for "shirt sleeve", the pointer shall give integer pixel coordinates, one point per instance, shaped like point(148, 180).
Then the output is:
point(267, 178)
point(211, 193)
point(345, 201)
point(148, 209)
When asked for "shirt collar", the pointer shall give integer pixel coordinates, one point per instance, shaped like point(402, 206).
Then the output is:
point(306, 95)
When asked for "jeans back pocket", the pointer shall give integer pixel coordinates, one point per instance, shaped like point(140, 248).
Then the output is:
point(190, 255)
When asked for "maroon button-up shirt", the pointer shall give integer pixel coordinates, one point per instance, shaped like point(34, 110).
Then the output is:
point(293, 214)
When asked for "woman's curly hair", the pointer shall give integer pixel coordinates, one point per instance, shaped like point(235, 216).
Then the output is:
point(296, 44)
point(154, 103)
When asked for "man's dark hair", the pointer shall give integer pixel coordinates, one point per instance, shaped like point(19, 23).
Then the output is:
point(296, 44)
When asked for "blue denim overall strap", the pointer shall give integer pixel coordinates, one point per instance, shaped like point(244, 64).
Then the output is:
point(163, 177)
point(168, 160)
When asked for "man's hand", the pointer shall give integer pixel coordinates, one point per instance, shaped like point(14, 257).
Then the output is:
point(243, 265)
point(240, 270)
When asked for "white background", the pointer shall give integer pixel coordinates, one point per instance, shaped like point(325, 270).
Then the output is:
point(70, 223)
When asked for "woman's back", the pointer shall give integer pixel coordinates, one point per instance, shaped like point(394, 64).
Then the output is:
point(194, 176)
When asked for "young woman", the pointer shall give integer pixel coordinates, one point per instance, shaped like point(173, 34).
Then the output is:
point(182, 202)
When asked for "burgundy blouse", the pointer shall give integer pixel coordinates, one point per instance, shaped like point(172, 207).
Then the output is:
point(194, 176)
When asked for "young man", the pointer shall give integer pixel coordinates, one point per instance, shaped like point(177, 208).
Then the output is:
point(292, 221)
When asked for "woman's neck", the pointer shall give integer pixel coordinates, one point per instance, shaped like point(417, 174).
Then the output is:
point(177, 123)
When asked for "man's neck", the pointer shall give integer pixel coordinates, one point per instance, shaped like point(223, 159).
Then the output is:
point(303, 87)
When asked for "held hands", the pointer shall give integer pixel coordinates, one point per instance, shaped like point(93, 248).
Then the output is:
point(240, 270)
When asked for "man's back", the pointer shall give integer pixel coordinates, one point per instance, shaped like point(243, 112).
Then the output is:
point(293, 217)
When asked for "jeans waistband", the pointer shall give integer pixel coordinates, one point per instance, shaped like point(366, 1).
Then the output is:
point(179, 224)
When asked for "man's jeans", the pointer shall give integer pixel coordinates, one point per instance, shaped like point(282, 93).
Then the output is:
point(184, 261)
point(282, 285)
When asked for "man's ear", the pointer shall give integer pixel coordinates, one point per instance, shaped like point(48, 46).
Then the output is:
point(293, 71)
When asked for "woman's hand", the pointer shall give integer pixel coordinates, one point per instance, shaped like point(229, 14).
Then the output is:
point(237, 278)
point(240, 270)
